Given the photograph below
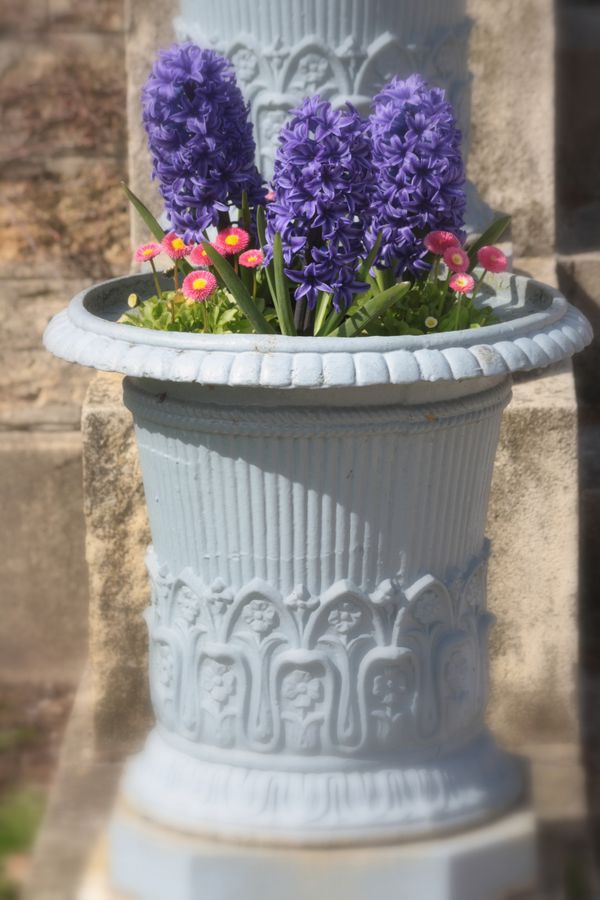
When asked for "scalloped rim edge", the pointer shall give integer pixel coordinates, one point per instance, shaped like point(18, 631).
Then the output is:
point(521, 344)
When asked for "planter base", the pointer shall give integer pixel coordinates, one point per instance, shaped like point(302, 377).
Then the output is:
point(341, 805)
point(495, 861)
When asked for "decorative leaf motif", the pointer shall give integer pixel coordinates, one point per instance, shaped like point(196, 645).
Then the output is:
point(300, 673)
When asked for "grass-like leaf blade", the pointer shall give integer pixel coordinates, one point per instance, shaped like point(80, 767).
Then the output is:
point(238, 291)
point(370, 309)
point(144, 213)
point(281, 300)
point(368, 263)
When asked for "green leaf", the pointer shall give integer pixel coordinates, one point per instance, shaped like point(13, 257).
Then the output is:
point(281, 299)
point(371, 309)
point(245, 212)
point(261, 225)
point(335, 318)
point(322, 311)
point(238, 291)
point(144, 213)
point(366, 267)
point(261, 228)
point(490, 236)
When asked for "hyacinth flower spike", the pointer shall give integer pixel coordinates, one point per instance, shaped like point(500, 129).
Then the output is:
point(200, 139)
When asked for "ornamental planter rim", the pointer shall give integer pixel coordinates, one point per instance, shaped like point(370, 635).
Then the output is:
point(538, 327)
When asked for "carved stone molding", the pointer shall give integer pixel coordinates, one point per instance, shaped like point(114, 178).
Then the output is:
point(402, 670)
point(346, 714)
point(350, 63)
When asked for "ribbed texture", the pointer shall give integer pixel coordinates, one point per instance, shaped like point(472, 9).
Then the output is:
point(322, 507)
point(332, 20)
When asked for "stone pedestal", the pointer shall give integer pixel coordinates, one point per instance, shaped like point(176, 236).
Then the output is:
point(494, 862)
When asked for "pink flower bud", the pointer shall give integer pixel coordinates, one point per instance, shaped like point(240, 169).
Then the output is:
point(438, 242)
point(492, 259)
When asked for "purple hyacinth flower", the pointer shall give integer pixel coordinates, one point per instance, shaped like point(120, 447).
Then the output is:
point(421, 177)
point(323, 184)
point(200, 138)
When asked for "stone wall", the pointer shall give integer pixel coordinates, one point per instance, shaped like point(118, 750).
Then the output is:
point(512, 159)
point(63, 222)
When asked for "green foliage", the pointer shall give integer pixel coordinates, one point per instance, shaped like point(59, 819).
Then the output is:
point(238, 291)
point(361, 315)
point(220, 314)
point(431, 300)
point(261, 300)
point(20, 814)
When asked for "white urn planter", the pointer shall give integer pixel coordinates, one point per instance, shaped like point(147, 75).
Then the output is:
point(318, 625)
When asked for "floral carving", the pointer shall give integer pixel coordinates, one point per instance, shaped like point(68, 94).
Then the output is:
point(246, 64)
point(300, 600)
point(260, 616)
point(313, 70)
point(345, 618)
point(427, 608)
point(390, 688)
point(219, 596)
point(303, 690)
point(346, 671)
point(164, 665)
point(218, 681)
point(188, 606)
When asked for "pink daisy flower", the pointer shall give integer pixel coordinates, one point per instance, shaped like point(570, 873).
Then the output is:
point(147, 251)
point(462, 283)
point(439, 241)
point(199, 256)
point(232, 240)
point(199, 285)
point(175, 246)
point(251, 259)
point(456, 259)
point(492, 259)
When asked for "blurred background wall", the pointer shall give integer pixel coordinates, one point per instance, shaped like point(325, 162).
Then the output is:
point(63, 222)
point(64, 70)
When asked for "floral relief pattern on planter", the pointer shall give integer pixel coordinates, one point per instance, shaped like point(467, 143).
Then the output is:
point(274, 77)
point(254, 670)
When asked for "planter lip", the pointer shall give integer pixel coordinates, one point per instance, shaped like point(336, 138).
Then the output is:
point(538, 327)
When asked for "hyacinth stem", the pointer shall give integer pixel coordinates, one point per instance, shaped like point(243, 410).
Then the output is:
point(309, 321)
point(457, 314)
point(299, 313)
point(156, 281)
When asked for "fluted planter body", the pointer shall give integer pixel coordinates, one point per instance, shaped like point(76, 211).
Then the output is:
point(318, 625)
point(345, 50)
